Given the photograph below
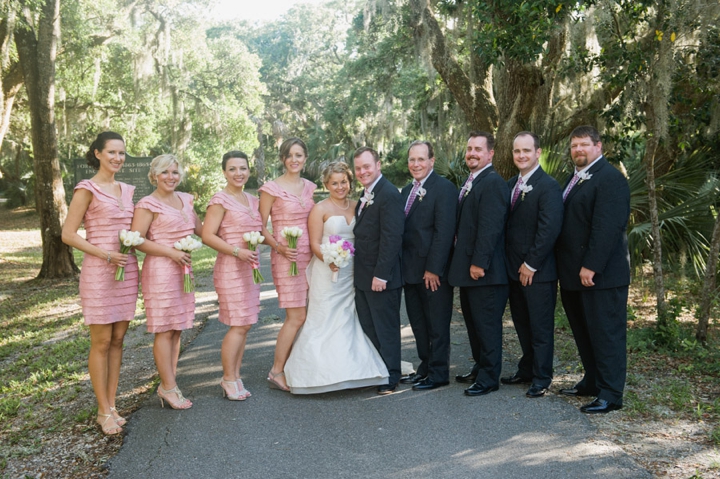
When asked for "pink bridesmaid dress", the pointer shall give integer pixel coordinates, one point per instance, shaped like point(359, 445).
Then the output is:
point(104, 300)
point(167, 307)
point(238, 295)
point(290, 210)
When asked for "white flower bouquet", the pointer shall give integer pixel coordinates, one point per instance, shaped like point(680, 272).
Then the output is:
point(337, 251)
point(253, 239)
point(128, 240)
point(291, 235)
point(188, 244)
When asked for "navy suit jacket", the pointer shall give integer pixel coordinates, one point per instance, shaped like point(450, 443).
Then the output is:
point(533, 226)
point(594, 230)
point(481, 232)
point(429, 229)
point(378, 238)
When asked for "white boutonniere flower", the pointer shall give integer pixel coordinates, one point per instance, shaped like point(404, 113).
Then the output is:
point(421, 192)
point(584, 175)
point(524, 189)
point(467, 189)
point(367, 199)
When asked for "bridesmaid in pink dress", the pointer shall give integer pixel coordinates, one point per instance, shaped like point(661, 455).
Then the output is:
point(230, 214)
point(106, 207)
point(163, 218)
point(288, 201)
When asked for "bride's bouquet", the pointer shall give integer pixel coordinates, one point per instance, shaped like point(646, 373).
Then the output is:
point(253, 239)
point(337, 251)
point(128, 240)
point(188, 244)
point(291, 235)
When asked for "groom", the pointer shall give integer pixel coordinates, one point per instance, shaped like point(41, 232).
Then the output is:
point(378, 240)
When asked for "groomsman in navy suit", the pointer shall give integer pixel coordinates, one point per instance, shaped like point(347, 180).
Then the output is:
point(594, 270)
point(534, 222)
point(378, 241)
point(430, 203)
point(478, 262)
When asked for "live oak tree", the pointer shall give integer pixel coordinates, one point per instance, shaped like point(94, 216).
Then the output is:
point(36, 38)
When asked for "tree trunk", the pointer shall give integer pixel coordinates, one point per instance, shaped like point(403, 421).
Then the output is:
point(259, 154)
point(471, 95)
point(37, 47)
point(10, 74)
point(649, 162)
point(708, 290)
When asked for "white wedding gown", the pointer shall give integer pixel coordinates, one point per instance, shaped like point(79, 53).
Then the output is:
point(331, 351)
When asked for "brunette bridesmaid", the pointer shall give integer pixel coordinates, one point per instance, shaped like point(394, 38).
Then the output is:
point(231, 213)
point(163, 218)
point(105, 206)
point(288, 200)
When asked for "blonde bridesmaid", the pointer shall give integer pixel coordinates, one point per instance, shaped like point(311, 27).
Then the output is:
point(231, 213)
point(288, 200)
point(105, 206)
point(163, 218)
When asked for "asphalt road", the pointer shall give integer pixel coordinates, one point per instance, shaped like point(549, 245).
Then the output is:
point(356, 433)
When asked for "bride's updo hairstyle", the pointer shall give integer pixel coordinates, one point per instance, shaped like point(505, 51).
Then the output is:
point(99, 145)
point(337, 167)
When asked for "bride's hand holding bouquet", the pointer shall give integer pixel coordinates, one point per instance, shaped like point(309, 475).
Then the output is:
point(337, 252)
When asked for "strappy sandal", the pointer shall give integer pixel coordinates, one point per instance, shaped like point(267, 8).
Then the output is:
point(108, 429)
point(242, 389)
point(232, 391)
point(273, 381)
point(121, 421)
point(181, 403)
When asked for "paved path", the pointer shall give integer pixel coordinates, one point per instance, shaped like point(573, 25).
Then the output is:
point(356, 433)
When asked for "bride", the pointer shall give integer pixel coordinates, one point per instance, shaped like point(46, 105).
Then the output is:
point(331, 351)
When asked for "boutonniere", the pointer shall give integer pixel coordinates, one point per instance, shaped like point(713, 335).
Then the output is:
point(524, 189)
point(421, 193)
point(584, 175)
point(467, 189)
point(367, 199)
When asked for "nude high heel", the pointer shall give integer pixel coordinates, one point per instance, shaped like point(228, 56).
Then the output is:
point(231, 391)
point(181, 403)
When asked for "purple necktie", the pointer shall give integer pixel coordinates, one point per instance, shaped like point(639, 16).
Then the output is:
point(411, 198)
point(516, 193)
point(574, 180)
point(464, 187)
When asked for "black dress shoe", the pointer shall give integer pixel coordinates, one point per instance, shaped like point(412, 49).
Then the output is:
point(515, 379)
point(479, 390)
point(466, 378)
point(412, 378)
point(574, 392)
point(536, 391)
point(600, 406)
point(428, 383)
point(386, 389)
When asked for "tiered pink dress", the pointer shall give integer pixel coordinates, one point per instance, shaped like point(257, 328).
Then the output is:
point(104, 300)
point(290, 210)
point(167, 307)
point(238, 295)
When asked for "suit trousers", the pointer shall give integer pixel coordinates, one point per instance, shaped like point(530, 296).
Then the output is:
point(483, 308)
point(533, 314)
point(429, 313)
point(598, 318)
point(379, 316)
